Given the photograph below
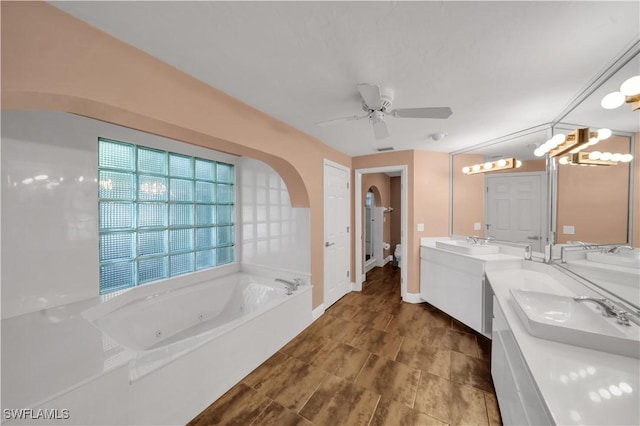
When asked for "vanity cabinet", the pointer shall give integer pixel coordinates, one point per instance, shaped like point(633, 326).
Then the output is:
point(456, 285)
point(518, 397)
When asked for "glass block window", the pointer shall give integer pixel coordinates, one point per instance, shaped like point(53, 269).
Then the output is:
point(161, 214)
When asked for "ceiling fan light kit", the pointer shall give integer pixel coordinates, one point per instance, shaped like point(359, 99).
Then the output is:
point(377, 103)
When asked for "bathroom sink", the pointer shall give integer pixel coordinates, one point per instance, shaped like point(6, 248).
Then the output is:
point(562, 319)
point(629, 259)
point(464, 247)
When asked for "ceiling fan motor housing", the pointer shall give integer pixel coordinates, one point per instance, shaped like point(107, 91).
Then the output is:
point(386, 100)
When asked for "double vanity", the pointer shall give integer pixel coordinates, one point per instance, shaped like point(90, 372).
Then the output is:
point(555, 359)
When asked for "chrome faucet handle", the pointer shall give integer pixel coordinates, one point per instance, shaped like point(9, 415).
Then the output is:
point(298, 282)
point(622, 317)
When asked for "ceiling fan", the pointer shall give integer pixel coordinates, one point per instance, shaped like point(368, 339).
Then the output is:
point(377, 105)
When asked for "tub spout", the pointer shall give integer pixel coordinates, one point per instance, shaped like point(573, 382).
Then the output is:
point(291, 285)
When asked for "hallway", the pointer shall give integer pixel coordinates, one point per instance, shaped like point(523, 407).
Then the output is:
point(371, 359)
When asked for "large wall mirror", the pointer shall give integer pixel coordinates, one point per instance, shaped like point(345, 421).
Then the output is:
point(600, 204)
point(595, 203)
point(508, 205)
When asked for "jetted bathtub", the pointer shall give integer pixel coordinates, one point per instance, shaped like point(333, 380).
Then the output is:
point(191, 344)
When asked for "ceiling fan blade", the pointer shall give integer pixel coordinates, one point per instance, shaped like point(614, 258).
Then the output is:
point(429, 112)
point(342, 119)
point(380, 130)
point(371, 95)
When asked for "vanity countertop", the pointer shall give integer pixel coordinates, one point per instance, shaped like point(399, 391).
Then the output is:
point(509, 255)
point(578, 385)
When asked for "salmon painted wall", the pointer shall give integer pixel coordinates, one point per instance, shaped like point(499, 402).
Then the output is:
point(53, 61)
point(382, 182)
point(427, 199)
point(468, 196)
point(595, 200)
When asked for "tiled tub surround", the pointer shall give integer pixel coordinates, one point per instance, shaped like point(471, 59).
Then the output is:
point(59, 359)
point(371, 359)
point(575, 385)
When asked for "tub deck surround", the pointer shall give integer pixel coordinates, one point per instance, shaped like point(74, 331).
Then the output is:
point(577, 385)
point(49, 352)
point(57, 355)
point(371, 359)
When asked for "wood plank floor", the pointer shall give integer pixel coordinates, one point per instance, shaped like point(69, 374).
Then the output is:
point(371, 359)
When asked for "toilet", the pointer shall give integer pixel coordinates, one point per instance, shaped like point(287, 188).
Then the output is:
point(396, 255)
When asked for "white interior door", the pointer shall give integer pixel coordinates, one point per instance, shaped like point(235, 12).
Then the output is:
point(515, 208)
point(336, 232)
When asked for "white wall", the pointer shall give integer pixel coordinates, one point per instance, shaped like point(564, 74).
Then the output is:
point(50, 226)
point(274, 234)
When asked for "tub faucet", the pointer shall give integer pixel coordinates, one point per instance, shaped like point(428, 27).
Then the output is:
point(291, 285)
point(473, 240)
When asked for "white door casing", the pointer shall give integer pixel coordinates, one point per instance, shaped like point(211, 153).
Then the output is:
point(359, 258)
point(337, 252)
point(515, 208)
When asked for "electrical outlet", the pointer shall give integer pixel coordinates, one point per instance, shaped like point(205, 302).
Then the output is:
point(476, 226)
point(421, 227)
point(568, 230)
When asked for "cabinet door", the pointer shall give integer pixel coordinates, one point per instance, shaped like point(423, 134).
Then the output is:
point(454, 291)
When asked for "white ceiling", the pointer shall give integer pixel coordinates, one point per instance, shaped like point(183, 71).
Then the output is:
point(501, 66)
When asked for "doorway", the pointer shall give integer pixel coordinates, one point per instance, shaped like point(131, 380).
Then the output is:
point(402, 172)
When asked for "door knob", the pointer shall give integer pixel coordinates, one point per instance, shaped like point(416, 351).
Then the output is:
point(535, 237)
point(328, 244)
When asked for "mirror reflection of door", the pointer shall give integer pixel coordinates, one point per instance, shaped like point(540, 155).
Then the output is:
point(515, 206)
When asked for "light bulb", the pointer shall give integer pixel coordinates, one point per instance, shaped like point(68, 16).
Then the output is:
point(502, 162)
point(559, 138)
point(593, 141)
point(612, 100)
point(631, 86)
point(604, 134)
point(606, 156)
point(466, 169)
point(616, 157)
point(626, 158)
point(539, 152)
point(476, 167)
point(488, 165)
point(595, 155)
point(564, 160)
point(575, 150)
point(518, 164)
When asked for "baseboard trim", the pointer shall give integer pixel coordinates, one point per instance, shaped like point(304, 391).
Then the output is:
point(317, 312)
point(412, 298)
point(356, 286)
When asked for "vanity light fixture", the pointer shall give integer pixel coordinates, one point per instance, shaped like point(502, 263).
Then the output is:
point(595, 158)
point(492, 166)
point(572, 143)
point(629, 93)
